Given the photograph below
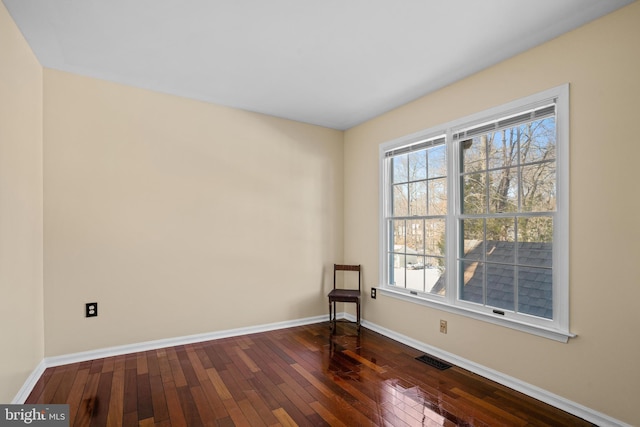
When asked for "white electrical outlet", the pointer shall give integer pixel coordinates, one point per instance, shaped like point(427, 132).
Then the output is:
point(443, 326)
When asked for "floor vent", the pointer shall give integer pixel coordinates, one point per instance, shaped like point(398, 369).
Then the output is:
point(432, 361)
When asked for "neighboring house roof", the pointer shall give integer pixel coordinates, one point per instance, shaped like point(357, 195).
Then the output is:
point(534, 280)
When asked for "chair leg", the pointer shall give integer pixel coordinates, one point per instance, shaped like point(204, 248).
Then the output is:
point(330, 317)
point(358, 311)
point(334, 317)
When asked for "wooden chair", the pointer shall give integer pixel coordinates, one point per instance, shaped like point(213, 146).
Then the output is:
point(343, 295)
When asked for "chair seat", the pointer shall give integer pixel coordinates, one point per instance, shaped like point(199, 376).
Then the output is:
point(344, 295)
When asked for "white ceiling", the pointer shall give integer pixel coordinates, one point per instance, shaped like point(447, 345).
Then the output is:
point(334, 63)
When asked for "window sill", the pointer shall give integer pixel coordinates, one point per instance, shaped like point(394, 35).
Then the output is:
point(553, 334)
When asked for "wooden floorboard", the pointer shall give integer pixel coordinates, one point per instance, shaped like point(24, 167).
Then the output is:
point(302, 376)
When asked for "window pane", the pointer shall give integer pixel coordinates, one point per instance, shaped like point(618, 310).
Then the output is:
point(535, 294)
point(400, 200)
point(503, 148)
point(538, 186)
point(437, 161)
point(399, 270)
point(474, 194)
point(500, 243)
point(503, 190)
point(473, 280)
point(415, 272)
point(390, 264)
point(473, 235)
point(473, 154)
point(399, 257)
point(435, 236)
point(500, 286)
point(400, 168)
point(415, 237)
point(437, 197)
point(399, 241)
point(538, 142)
point(417, 165)
point(535, 237)
point(434, 274)
point(418, 198)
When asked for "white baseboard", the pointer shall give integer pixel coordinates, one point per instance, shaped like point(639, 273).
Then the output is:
point(545, 396)
point(29, 384)
point(506, 380)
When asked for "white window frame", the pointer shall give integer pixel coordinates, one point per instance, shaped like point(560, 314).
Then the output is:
point(556, 328)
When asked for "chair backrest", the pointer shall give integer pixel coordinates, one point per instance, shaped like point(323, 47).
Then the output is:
point(342, 267)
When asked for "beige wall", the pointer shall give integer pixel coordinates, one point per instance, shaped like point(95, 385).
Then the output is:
point(599, 368)
point(180, 217)
point(21, 328)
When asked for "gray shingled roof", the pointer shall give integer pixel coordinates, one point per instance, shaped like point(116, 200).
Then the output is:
point(534, 276)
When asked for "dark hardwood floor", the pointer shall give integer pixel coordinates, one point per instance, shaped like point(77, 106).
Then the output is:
point(298, 376)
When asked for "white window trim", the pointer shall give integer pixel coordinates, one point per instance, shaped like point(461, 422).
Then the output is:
point(557, 329)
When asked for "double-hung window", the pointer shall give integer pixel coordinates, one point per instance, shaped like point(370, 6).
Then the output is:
point(474, 215)
point(418, 213)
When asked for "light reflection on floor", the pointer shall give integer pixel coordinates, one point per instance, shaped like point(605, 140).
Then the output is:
point(408, 405)
point(398, 401)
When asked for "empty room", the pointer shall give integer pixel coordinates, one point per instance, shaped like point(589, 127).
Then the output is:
point(184, 184)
